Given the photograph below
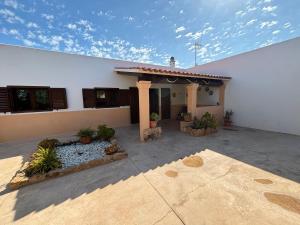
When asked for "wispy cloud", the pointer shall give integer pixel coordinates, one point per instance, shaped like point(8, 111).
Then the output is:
point(268, 24)
point(180, 29)
point(269, 8)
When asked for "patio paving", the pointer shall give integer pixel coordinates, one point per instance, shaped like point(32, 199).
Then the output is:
point(241, 176)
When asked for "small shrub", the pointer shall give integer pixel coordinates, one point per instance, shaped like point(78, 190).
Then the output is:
point(209, 120)
point(154, 117)
point(197, 124)
point(105, 133)
point(48, 143)
point(86, 132)
point(43, 160)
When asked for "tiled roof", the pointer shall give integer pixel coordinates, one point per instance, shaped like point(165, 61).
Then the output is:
point(168, 72)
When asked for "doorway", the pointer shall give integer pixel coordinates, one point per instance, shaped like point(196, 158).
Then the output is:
point(154, 100)
point(165, 103)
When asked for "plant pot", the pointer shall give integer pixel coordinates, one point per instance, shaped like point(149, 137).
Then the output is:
point(187, 118)
point(227, 123)
point(153, 124)
point(197, 132)
point(85, 140)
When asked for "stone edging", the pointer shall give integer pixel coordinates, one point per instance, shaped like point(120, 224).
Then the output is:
point(19, 180)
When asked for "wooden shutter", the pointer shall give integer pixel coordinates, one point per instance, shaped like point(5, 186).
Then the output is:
point(4, 100)
point(124, 97)
point(59, 98)
point(89, 98)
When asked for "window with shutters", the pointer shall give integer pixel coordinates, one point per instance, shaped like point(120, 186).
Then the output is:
point(26, 99)
point(102, 98)
point(19, 99)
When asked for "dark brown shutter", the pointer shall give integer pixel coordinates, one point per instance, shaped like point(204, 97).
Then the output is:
point(4, 100)
point(124, 97)
point(89, 98)
point(59, 98)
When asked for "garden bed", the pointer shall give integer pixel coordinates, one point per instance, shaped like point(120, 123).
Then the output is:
point(54, 159)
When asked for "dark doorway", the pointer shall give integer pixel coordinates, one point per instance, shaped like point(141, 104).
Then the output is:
point(154, 100)
point(165, 103)
point(134, 105)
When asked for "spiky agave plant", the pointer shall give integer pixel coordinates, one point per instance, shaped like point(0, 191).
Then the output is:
point(43, 160)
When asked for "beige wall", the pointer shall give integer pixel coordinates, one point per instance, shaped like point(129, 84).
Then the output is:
point(32, 125)
point(217, 111)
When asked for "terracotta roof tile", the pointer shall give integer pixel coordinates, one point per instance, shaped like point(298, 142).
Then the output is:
point(180, 72)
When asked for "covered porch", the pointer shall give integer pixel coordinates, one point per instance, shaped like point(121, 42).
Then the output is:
point(187, 92)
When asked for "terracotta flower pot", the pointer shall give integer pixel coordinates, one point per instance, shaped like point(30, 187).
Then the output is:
point(85, 140)
point(153, 124)
point(227, 123)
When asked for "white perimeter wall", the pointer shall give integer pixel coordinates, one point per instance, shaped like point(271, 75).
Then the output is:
point(33, 67)
point(264, 92)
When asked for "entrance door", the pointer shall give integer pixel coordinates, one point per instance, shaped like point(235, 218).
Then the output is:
point(134, 105)
point(165, 103)
point(154, 100)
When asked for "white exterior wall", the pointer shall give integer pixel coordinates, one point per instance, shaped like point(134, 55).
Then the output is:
point(264, 92)
point(34, 67)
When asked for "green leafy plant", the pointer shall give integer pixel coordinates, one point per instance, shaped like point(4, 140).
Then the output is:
point(43, 160)
point(105, 133)
point(228, 115)
point(187, 116)
point(154, 117)
point(48, 143)
point(86, 132)
point(197, 124)
point(209, 120)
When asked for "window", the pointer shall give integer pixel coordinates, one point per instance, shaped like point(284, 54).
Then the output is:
point(30, 99)
point(104, 97)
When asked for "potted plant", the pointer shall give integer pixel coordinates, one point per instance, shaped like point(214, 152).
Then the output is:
point(86, 135)
point(187, 117)
point(153, 120)
point(105, 133)
point(227, 118)
point(197, 128)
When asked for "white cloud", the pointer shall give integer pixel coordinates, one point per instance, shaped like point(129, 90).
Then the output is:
point(180, 29)
point(11, 3)
point(10, 16)
point(181, 12)
point(32, 25)
point(266, 43)
point(268, 24)
point(48, 17)
point(72, 26)
point(29, 43)
point(269, 8)
point(129, 18)
point(287, 25)
point(250, 22)
point(207, 29)
point(178, 36)
point(88, 26)
point(240, 13)
point(276, 32)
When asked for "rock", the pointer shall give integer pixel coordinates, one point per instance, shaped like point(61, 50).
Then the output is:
point(112, 149)
point(152, 133)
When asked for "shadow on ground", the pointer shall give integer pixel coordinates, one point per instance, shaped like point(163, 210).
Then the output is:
point(273, 152)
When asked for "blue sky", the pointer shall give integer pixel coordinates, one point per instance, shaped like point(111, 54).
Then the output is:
point(149, 31)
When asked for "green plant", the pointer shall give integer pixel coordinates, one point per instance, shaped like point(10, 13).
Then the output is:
point(197, 124)
point(187, 116)
point(43, 160)
point(105, 133)
point(209, 120)
point(48, 143)
point(154, 117)
point(86, 132)
point(228, 115)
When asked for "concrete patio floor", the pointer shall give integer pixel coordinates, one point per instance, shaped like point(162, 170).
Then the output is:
point(241, 176)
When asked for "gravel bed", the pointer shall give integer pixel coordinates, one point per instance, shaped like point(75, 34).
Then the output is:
point(77, 153)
